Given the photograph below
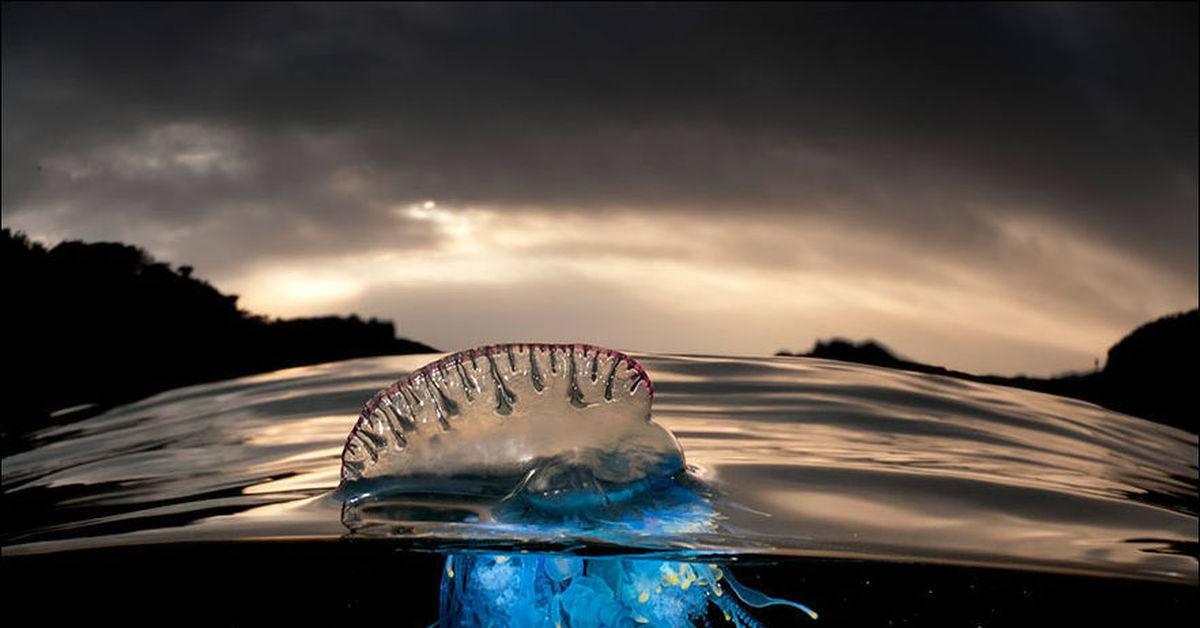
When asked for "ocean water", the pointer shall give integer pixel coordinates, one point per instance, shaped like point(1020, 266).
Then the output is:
point(874, 496)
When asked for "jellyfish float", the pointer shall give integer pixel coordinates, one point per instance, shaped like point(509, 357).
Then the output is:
point(556, 442)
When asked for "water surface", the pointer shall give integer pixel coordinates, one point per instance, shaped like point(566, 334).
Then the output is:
point(807, 458)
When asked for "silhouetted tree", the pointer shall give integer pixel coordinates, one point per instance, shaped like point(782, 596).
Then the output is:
point(105, 323)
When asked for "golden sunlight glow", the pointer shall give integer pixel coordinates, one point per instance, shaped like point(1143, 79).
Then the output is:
point(299, 292)
point(725, 284)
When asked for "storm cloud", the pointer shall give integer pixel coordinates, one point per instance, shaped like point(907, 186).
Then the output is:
point(932, 175)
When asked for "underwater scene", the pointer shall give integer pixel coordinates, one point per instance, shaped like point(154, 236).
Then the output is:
point(569, 485)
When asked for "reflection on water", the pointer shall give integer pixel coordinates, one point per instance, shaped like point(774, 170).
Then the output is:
point(806, 458)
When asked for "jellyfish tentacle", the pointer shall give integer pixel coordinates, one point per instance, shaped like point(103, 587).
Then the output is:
point(759, 600)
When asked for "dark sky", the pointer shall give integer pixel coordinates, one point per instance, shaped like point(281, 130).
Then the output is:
point(992, 187)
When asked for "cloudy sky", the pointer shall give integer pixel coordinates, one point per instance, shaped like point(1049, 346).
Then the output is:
point(995, 188)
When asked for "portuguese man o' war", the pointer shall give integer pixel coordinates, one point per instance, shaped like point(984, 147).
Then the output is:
point(559, 440)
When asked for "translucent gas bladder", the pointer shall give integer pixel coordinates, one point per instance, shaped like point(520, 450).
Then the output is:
point(561, 426)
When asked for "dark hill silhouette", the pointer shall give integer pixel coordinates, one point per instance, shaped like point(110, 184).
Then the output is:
point(1151, 373)
point(104, 323)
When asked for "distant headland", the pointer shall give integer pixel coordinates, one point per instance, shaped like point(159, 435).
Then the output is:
point(1151, 373)
point(104, 323)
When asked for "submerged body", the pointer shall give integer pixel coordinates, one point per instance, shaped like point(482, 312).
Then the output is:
point(545, 590)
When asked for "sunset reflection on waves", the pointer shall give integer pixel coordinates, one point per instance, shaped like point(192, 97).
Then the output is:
point(806, 457)
point(814, 413)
